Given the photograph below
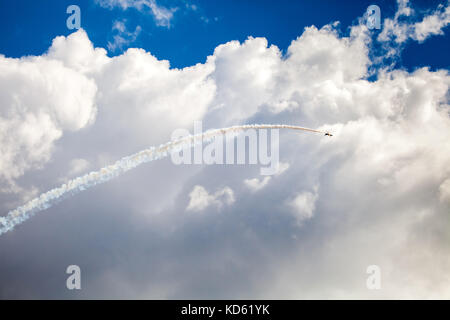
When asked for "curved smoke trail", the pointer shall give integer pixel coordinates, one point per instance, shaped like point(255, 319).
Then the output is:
point(74, 186)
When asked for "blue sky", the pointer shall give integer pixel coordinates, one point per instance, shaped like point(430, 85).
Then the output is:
point(30, 26)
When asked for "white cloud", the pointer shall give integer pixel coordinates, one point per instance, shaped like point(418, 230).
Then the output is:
point(400, 31)
point(163, 16)
point(200, 199)
point(122, 36)
point(256, 184)
point(404, 9)
point(432, 24)
point(137, 91)
point(41, 99)
point(304, 205)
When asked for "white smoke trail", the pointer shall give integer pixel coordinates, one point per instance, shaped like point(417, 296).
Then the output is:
point(48, 199)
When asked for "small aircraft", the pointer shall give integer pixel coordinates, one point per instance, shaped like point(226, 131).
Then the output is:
point(328, 134)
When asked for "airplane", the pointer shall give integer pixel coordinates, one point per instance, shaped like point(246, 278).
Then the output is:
point(328, 134)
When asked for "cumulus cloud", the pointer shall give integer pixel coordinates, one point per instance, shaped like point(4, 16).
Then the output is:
point(41, 99)
point(200, 198)
point(304, 205)
point(383, 176)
